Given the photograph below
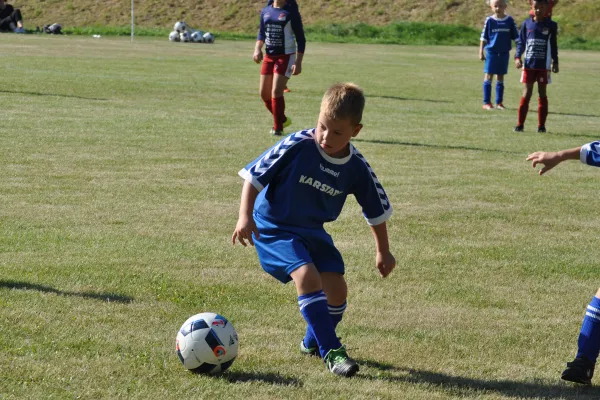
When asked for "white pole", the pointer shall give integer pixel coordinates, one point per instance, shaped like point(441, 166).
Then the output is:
point(132, 20)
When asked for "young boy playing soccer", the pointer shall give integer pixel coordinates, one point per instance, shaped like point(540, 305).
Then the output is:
point(581, 369)
point(499, 30)
point(289, 192)
point(537, 44)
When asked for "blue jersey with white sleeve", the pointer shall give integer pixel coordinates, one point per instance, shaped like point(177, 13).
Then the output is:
point(300, 185)
point(537, 44)
point(498, 33)
point(590, 154)
point(281, 29)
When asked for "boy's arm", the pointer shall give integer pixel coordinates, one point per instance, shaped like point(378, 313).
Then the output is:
point(520, 46)
point(554, 49)
point(384, 260)
point(246, 225)
point(483, 40)
point(298, 29)
point(260, 41)
point(481, 55)
point(552, 159)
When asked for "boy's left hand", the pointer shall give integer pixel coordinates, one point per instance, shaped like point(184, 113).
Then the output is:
point(296, 68)
point(555, 68)
point(385, 263)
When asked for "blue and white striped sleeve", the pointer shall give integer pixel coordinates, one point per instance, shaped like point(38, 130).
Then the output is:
point(268, 165)
point(484, 33)
point(370, 195)
point(590, 154)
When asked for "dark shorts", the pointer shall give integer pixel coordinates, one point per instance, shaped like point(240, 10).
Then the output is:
point(280, 65)
point(283, 249)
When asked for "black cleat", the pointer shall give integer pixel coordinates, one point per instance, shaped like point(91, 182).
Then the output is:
point(519, 128)
point(274, 132)
point(541, 129)
point(580, 370)
point(338, 362)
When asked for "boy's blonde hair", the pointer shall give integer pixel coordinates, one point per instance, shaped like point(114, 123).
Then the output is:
point(344, 101)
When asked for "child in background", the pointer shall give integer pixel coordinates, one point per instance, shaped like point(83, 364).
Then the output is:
point(581, 369)
point(499, 30)
point(282, 32)
point(290, 191)
point(537, 44)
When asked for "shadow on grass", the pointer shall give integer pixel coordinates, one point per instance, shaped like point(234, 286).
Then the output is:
point(273, 379)
point(436, 146)
point(51, 95)
point(107, 297)
point(408, 99)
point(575, 115)
point(458, 384)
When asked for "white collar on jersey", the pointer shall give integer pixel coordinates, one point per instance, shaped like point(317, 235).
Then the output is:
point(333, 160)
point(500, 19)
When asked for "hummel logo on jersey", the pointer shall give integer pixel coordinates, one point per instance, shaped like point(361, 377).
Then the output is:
point(320, 186)
point(329, 171)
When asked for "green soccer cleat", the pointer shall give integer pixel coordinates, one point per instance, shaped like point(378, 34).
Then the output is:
point(287, 122)
point(338, 362)
point(309, 351)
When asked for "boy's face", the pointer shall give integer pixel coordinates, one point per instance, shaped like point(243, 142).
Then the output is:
point(539, 8)
point(334, 135)
point(498, 7)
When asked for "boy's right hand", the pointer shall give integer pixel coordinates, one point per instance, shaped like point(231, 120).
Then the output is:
point(481, 57)
point(244, 229)
point(258, 56)
point(385, 263)
point(518, 63)
point(547, 158)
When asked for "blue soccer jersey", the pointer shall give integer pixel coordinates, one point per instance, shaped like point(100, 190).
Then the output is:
point(537, 44)
point(590, 154)
point(498, 33)
point(300, 185)
point(281, 29)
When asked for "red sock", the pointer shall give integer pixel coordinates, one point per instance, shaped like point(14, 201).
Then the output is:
point(542, 110)
point(523, 108)
point(269, 105)
point(278, 104)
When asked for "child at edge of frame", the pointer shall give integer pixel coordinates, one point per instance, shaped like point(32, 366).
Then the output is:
point(289, 192)
point(581, 369)
point(538, 47)
point(499, 30)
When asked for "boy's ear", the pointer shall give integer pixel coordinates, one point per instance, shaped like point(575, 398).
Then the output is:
point(357, 129)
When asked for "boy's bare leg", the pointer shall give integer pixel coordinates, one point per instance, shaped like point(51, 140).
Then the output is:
point(266, 87)
point(278, 102)
point(542, 107)
point(524, 105)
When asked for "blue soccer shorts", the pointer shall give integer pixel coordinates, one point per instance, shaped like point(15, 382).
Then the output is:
point(283, 249)
point(496, 63)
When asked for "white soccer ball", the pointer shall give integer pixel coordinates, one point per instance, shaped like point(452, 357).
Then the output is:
point(207, 343)
point(174, 36)
point(197, 37)
point(185, 36)
point(180, 26)
point(209, 37)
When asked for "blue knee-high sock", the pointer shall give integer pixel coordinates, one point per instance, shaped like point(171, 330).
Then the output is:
point(499, 92)
point(589, 337)
point(336, 313)
point(487, 92)
point(313, 307)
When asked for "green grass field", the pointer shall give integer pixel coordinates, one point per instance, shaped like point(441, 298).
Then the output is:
point(119, 193)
